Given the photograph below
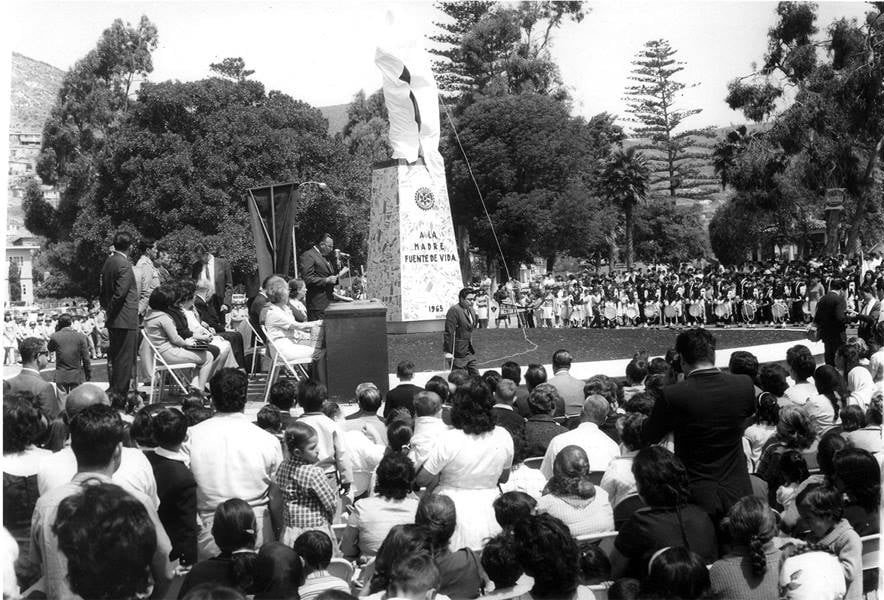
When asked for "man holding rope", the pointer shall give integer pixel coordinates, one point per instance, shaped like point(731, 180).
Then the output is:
point(459, 324)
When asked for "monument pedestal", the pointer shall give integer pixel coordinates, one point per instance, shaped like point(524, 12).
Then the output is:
point(356, 348)
point(413, 265)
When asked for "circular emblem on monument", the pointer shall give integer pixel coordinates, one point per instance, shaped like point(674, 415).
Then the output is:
point(424, 198)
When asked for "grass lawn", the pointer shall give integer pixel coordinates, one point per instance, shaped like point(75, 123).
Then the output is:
point(495, 346)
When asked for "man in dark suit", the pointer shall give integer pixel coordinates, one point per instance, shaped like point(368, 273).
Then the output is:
point(402, 396)
point(72, 366)
point(214, 281)
point(457, 343)
point(706, 412)
point(320, 275)
point(505, 415)
point(831, 319)
point(119, 299)
point(34, 358)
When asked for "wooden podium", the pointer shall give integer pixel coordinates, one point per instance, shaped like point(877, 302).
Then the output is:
point(356, 348)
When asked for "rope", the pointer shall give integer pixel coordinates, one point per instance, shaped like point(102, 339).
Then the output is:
point(533, 345)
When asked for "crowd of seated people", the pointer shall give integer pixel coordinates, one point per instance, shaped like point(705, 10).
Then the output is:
point(470, 487)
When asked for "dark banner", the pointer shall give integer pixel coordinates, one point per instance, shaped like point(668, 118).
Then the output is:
point(272, 215)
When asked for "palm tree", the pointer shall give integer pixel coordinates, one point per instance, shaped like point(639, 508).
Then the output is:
point(625, 182)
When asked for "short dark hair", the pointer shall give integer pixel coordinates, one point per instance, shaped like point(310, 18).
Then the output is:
point(772, 378)
point(836, 284)
point(821, 500)
point(213, 591)
point(491, 377)
point(405, 369)
point(500, 562)
point(96, 432)
point(283, 394)
point(800, 359)
point(511, 507)
point(637, 370)
point(631, 430)
point(742, 362)
point(471, 407)
point(412, 575)
point(234, 525)
point(511, 370)
point(440, 386)
point(661, 477)
point(162, 297)
point(330, 409)
point(606, 387)
point(230, 388)
point(543, 399)
point(311, 395)
point(122, 240)
point(394, 476)
point(696, 345)
point(109, 541)
point(31, 347)
point(852, 418)
point(269, 418)
point(642, 402)
point(658, 366)
point(64, 320)
point(464, 292)
point(458, 377)
point(561, 359)
point(169, 427)
point(21, 421)
point(315, 547)
point(534, 375)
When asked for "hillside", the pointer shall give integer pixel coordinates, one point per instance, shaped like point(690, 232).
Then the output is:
point(34, 87)
point(337, 117)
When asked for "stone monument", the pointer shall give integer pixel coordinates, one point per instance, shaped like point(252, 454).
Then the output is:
point(413, 264)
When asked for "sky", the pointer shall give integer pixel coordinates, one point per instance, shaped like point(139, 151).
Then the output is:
point(322, 52)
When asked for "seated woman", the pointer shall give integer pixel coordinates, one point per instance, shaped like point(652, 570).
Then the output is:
point(460, 573)
point(289, 337)
point(547, 552)
point(858, 476)
point(795, 431)
point(160, 329)
point(22, 425)
point(186, 297)
point(667, 520)
point(571, 497)
point(868, 435)
point(373, 517)
point(297, 295)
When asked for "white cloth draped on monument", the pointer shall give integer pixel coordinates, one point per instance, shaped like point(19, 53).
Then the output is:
point(412, 99)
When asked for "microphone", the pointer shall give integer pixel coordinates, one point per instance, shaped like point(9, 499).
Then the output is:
point(340, 254)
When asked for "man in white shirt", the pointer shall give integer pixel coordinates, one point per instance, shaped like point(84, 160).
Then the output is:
point(570, 388)
point(600, 449)
point(97, 435)
point(428, 425)
point(134, 472)
point(231, 458)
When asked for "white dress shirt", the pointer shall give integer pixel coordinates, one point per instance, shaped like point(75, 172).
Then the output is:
point(599, 448)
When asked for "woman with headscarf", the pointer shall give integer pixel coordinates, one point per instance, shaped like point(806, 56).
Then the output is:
point(571, 497)
point(860, 384)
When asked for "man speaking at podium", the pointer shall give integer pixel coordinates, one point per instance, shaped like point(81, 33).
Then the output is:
point(321, 276)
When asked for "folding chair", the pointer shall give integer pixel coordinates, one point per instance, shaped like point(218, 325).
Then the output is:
point(160, 368)
point(297, 369)
point(870, 556)
point(259, 348)
point(604, 540)
point(534, 462)
point(342, 568)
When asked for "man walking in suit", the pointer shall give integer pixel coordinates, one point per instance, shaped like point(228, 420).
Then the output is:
point(119, 299)
point(72, 366)
point(831, 319)
point(320, 275)
point(457, 342)
point(706, 412)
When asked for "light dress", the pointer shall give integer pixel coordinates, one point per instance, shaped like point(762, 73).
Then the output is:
point(469, 467)
point(289, 337)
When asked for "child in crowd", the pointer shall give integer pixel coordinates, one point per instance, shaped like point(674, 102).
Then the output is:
point(413, 577)
point(315, 549)
point(794, 470)
point(309, 499)
point(765, 425)
point(822, 509)
point(512, 507)
point(399, 436)
point(330, 445)
point(500, 563)
point(751, 569)
point(593, 566)
point(234, 532)
point(269, 420)
point(176, 486)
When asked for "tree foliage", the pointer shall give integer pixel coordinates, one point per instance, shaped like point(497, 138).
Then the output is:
point(831, 135)
point(624, 181)
point(677, 158)
point(665, 232)
point(14, 280)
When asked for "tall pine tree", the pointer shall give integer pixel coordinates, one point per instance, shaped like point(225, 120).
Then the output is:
point(452, 73)
point(677, 159)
